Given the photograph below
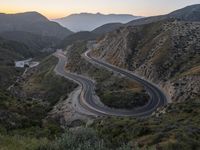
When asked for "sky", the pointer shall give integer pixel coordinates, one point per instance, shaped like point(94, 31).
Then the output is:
point(60, 8)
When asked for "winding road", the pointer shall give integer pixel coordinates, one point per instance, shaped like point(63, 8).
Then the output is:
point(87, 98)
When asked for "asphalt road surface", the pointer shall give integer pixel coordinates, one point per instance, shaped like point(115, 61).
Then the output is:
point(87, 95)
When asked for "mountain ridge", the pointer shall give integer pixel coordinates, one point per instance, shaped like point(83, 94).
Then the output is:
point(165, 52)
point(79, 22)
point(32, 22)
point(188, 13)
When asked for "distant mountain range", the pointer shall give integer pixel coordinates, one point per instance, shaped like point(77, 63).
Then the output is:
point(189, 13)
point(88, 21)
point(38, 33)
point(32, 22)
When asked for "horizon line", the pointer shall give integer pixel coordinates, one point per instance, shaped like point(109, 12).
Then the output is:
point(76, 13)
point(92, 13)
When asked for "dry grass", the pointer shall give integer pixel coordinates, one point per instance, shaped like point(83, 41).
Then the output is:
point(192, 71)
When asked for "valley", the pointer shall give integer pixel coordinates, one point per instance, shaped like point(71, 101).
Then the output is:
point(121, 86)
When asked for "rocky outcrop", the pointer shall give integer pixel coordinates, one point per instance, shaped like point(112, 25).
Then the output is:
point(186, 89)
point(165, 52)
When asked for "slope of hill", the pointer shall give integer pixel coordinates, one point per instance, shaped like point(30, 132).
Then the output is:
point(88, 22)
point(9, 52)
point(170, 130)
point(189, 13)
point(79, 36)
point(25, 106)
point(166, 52)
point(34, 41)
point(13, 48)
point(107, 28)
point(24, 109)
point(32, 22)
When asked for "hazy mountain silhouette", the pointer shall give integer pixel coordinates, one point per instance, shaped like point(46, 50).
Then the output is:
point(189, 13)
point(88, 21)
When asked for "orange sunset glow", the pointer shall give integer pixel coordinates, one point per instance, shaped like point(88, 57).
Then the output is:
point(55, 9)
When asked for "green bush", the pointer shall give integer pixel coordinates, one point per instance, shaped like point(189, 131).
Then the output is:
point(21, 143)
point(78, 139)
point(126, 99)
point(176, 129)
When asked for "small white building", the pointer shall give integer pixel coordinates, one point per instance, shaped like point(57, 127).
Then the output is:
point(22, 63)
point(19, 64)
